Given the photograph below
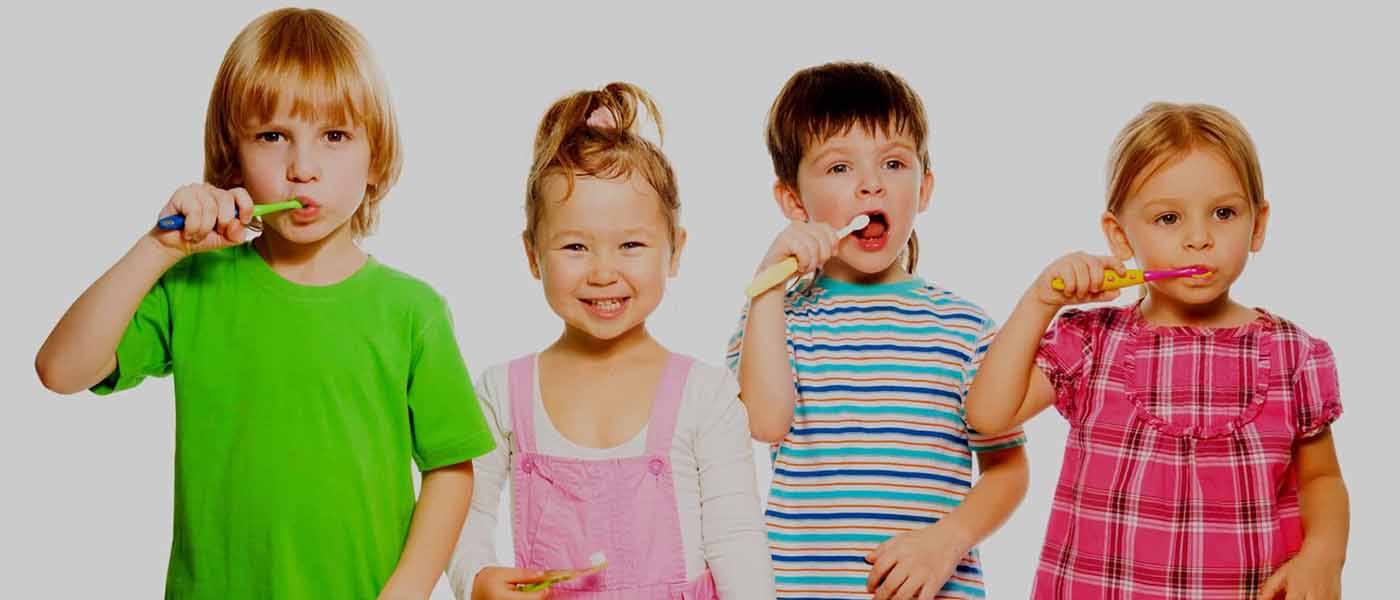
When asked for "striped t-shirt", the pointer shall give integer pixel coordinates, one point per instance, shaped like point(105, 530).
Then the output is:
point(878, 445)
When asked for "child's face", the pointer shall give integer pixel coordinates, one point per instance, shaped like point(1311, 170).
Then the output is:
point(1190, 212)
point(325, 164)
point(862, 172)
point(603, 253)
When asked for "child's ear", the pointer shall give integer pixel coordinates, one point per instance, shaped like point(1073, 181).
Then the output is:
point(1261, 224)
point(926, 190)
point(530, 254)
point(676, 249)
point(1117, 238)
point(789, 202)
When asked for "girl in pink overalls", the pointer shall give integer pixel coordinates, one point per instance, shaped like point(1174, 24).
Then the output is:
point(610, 443)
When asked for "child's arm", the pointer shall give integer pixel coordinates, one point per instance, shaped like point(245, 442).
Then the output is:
point(470, 572)
point(81, 349)
point(921, 561)
point(1316, 571)
point(734, 540)
point(765, 373)
point(437, 519)
point(1010, 389)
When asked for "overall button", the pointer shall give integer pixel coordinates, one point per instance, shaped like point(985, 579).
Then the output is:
point(656, 466)
point(527, 465)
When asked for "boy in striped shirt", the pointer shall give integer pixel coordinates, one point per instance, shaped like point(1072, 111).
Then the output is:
point(857, 374)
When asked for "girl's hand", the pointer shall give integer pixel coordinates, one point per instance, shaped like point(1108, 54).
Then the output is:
point(1304, 577)
point(811, 243)
point(1082, 275)
point(915, 564)
point(210, 223)
point(498, 583)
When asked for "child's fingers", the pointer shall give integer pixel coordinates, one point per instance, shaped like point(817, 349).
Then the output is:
point(882, 565)
point(892, 583)
point(1083, 279)
point(1273, 585)
point(208, 216)
point(930, 589)
point(244, 201)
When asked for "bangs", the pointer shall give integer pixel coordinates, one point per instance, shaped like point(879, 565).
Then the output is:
point(322, 81)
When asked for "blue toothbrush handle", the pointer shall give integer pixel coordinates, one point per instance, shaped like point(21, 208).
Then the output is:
point(171, 223)
point(177, 222)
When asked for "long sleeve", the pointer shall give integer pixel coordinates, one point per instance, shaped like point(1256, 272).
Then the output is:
point(476, 546)
point(733, 537)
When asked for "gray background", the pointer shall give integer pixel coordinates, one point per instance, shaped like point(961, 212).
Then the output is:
point(104, 109)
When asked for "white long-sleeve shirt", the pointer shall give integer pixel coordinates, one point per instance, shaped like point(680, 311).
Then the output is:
point(712, 465)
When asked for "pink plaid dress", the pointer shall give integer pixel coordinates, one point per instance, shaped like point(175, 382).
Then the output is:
point(1178, 477)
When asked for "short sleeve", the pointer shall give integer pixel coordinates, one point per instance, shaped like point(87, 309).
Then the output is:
point(1064, 357)
point(735, 349)
point(145, 348)
point(448, 426)
point(976, 441)
point(1316, 392)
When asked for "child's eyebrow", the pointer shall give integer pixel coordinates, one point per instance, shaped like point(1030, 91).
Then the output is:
point(829, 150)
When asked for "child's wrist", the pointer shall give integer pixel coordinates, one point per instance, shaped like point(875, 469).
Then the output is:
point(149, 247)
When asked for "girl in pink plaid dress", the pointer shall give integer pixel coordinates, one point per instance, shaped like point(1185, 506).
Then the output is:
point(1200, 462)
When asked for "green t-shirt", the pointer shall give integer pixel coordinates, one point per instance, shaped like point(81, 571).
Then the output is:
point(297, 411)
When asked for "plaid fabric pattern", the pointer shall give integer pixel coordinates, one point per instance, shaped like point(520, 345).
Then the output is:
point(1178, 479)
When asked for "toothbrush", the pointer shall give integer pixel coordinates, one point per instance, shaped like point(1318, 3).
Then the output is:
point(779, 272)
point(599, 561)
point(1131, 277)
point(177, 222)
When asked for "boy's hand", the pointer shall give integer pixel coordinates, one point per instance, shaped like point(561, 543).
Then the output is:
point(1082, 275)
point(811, 243)
point(498, 583)
point(915, 564)
point(210, 223)
point(1304, 577)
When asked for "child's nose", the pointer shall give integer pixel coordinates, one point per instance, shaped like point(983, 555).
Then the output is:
point(303, 166)
point(601, 272)
point(871, 185)
point(1199, 238)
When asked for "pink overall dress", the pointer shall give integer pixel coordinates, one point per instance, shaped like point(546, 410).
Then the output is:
point(566, 509)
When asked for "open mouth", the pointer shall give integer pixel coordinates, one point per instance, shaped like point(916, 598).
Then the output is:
point(309, 210)
point(606, 308)
point(873, 237)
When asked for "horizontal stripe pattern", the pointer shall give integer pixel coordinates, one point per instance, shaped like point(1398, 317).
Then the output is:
point(878, 446)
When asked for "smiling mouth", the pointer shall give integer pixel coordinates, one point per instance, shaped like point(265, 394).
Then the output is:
point(606, 308)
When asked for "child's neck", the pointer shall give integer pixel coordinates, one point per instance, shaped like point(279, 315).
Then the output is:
point(576, 344)
point(326, 261)
point(840, 271)
point(1159, 309)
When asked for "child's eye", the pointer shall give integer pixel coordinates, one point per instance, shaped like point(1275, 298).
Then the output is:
point(1167, 219)
point(894, 164)
point(269, 136)
point(839, 168)
point(1224, 213)
point(574, 247)
point(633, 245)
point(337, 136)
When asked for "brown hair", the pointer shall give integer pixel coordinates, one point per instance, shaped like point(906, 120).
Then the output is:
point(567, 145)
point(820, 102)
point(328, 68)
point(1165, 131)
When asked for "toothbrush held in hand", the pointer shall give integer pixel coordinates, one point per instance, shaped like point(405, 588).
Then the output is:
point(551, 578)
point(779, 272)
point(177, 222)
point(1131, 277)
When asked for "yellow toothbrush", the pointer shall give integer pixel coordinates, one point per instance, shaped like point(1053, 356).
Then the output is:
point(784, 269)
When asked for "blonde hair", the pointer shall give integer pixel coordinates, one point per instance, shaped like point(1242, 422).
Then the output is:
point(567, 145)
point(820, 102)
point(328, 68)
point(1166, 131)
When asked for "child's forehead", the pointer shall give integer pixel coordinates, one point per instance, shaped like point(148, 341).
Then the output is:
point(857, 133)
point(304, 102)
